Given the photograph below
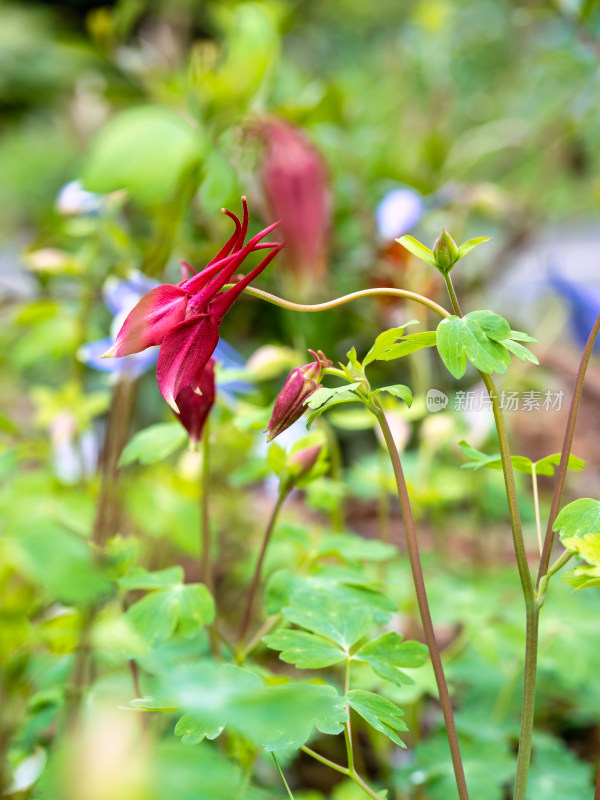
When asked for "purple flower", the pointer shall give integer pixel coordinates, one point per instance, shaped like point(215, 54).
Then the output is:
point(398, 213)
point(584, 304)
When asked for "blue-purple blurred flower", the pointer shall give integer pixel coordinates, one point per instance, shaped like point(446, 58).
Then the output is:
point(399, 212)
point(583, 301)
point(74, 201)
point(74, 455)
point(120, 296)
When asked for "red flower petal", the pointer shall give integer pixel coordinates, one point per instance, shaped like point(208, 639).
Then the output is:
point(184, 353)
point(150, 320)
point(194, 408)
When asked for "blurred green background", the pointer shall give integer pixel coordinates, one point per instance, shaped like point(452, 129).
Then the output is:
point(124, 128)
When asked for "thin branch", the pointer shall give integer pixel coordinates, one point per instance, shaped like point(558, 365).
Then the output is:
point(566, 449)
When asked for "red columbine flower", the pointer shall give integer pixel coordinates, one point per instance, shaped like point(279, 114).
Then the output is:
point(185, 319)
point(298, 387)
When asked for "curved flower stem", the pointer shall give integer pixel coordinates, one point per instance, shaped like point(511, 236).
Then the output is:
point(423, 603)
point(283, 493)
point(566, 449)
point(347, 298)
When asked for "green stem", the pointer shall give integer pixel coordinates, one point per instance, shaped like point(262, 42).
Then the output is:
point(285, 783)
point(597, 792)
point(349, 773)
point(347, 298)
point(325, 761)
point(452, 293)
point(347, 727)
point(536, 503)
point(531, 609)
point(207, 575)
point(566, 449)
point(268, 625)
point(543, 587)
point(335, 460)
point(283, 493)
point(423, 603)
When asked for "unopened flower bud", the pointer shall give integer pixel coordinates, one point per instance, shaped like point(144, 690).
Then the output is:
point(445, 251)
point(194, 407)
point(301, 463)
point(298, 387)
point(296, 188)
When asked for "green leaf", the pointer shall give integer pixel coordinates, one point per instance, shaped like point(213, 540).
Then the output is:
point(519, 336)
point(582, 577)
point(188, 607)
point(488, 765)
point(386, 340)
point(409, 344)
point(386, 654)
point(328, 613)
point(144, 150)
point(140, 578)
point(380, 713)
point(57, 561)
point(419, 250)
point(305, 650)
point(352, 398)
point(545, 466)
point(352, 548)
point(476, 336)
point(323, 396)
point(280, 717)
point(522, 353)
point(349, 587)
point(578, 518)
point(471, 244)
point(194, 730)
point(556, 772)
point(397, 390)
point(196, 608)
point(273, 717)
point(154, 443)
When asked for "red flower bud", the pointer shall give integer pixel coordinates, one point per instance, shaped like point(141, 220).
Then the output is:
point(304, 460)
point(295, 185)
point(194, 408)
point(298, 387)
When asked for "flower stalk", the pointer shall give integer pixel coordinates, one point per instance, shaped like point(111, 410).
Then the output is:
point(423, 604)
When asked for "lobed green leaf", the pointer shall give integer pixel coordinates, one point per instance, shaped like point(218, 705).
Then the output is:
point(379, 713)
